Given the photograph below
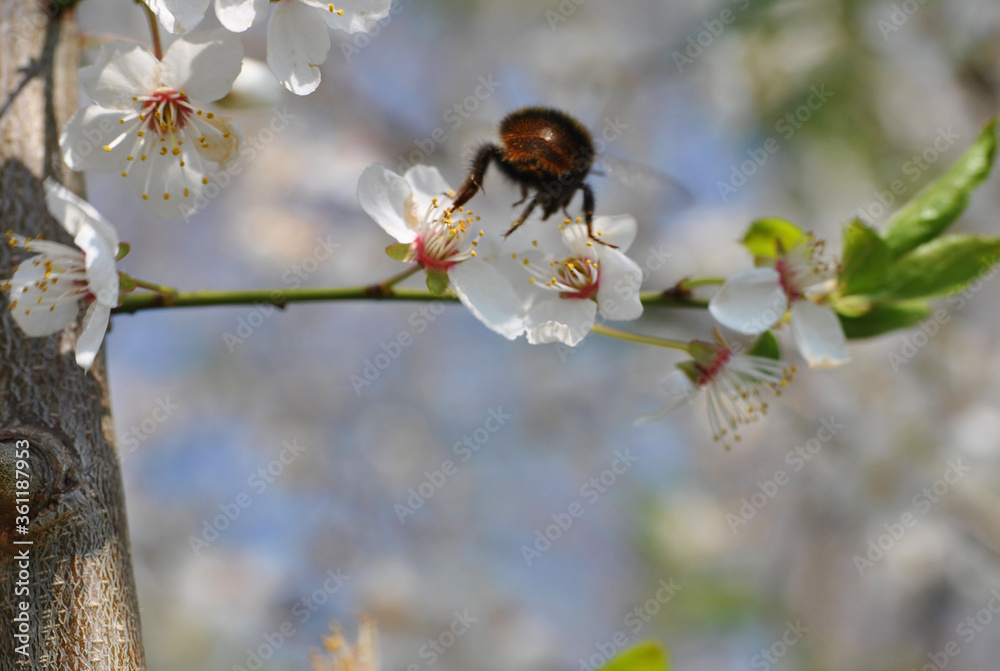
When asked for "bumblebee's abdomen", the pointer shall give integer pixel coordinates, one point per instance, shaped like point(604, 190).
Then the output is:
point(543, 142)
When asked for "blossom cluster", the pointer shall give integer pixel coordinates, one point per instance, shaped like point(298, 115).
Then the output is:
point(150, 120)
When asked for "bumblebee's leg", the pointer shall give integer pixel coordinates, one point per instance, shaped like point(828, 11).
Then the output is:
point(524, 196)
point(539, 199)
point(588, 215)
point(471, 186)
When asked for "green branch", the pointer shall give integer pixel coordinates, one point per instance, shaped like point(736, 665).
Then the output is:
point(165, 298)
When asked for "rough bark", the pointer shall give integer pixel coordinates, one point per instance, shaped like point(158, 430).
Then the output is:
point(81, 602)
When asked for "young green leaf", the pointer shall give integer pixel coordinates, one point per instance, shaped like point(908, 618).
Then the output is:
point(866, 260)
point(884, 317)
point(941, 266)
point(123, 249)
point(125, 283)
point(766, 346)
point(437, 281)
point(938, 204)
point(399, 251)
point(645, 656)
point(770, 236)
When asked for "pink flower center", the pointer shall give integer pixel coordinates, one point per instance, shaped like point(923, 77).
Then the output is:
point(165, 111)
point(577, 278)
point(786, 279)
point(709, 372)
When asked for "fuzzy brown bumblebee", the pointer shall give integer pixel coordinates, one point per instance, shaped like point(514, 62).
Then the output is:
point(546, 152)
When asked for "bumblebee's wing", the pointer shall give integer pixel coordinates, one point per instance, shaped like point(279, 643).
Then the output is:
point(658, 192)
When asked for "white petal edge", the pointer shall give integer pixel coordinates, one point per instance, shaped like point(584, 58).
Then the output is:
point(95, 326)
point(427, 183)
point(87, 133)
point(819, 335)
point(360, 16)
point(298, 42)
point(618, 230)
point(179, 16)
point(488, 295)
point(618, 291)
point(122, 70)
point(560, 320)
point(238, 15)
point(385, 197)
point(204, 65)
point(679, 389)
point(750, 301)
point(75, 214)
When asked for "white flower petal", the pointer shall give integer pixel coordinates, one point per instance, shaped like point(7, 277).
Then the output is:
point(238, 15)
point(385, 196)
point(359, 16)
point(297, 44)
point(620, 281)
point(618, 230)
point(122, 70)
point(560, 320)
point(34, 319)
point(179, 16)
point(750, 302)
point(819, 335)
point(87, 133)
point(95, 325)
point(77, 215)
point(489, 296)
point(427, 183)
point(679, 389)
point(580, 245)
point(204, 65)
point(158, 176)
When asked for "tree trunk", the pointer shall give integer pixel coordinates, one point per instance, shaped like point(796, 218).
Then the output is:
point(67, 583)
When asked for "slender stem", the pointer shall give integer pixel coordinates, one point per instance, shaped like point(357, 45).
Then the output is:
point(166, 297)
point(154, 29)
point(158, 288)
point(639, 338)
point(689, 283)
point(387, 285)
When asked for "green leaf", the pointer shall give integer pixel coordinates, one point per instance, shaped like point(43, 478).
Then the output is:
point(770, 236)
point(866, 260)
point(939, 203)
point(123, 249)
point(399, 251)
point(125, 283)
point(885, 317)
point(437, 281)
point(766, 346)
point(941, 266)
point(645, 656)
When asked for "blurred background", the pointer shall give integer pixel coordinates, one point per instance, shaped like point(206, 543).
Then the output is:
point(268, 494)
